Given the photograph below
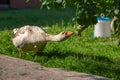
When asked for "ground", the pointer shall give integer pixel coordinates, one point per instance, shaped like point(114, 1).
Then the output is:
point(18, 69)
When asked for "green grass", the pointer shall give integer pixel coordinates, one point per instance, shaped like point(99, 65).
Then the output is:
point(98, 56)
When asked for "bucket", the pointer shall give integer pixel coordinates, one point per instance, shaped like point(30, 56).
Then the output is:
point(102, 28)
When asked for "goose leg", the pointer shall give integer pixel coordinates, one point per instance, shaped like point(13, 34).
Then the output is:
point(20, 53)
point(36, 55)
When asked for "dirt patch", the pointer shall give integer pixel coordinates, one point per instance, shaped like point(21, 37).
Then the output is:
point(18, 69)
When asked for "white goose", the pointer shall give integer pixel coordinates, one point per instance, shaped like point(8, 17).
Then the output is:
point(115, 18)
point(33, 38)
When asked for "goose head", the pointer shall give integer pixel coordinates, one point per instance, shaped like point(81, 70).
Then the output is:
point(115, 18)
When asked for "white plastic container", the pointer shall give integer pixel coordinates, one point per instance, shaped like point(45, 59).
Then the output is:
point(102, 28)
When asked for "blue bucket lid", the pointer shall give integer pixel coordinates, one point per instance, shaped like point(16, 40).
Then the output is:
point(103, 18)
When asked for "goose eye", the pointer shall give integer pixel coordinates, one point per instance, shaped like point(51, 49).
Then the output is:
point(63, 32)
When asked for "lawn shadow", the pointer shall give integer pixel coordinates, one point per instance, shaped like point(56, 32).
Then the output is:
point(10, 19)
point(100, 64)
point(63, 55)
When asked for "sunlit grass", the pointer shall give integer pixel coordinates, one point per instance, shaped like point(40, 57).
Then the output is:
point(98, 56)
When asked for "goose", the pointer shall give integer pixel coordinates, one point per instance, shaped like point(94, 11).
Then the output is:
point(34, 38)
point(113, 24)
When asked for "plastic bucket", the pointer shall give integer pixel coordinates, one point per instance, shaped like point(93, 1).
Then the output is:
point(102, 28)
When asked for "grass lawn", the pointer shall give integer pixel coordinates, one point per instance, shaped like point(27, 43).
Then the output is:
point(98, 56)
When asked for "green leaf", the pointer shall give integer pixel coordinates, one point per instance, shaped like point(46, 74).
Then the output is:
point(27, 1)
point(59, 1)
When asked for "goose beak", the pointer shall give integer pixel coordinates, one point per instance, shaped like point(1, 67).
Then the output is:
point(69, 33)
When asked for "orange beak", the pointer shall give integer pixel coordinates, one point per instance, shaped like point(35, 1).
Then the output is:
point(69, 33)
